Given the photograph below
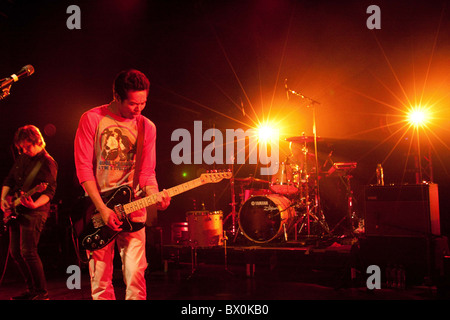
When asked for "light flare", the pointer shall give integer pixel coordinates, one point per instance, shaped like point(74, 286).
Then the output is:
point(418, 116)
point(266, 132)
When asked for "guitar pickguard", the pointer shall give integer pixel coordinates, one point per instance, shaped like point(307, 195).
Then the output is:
point(96, 234)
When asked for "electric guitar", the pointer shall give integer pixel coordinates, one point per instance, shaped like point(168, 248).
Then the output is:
point(94, 234)
point(14, 202)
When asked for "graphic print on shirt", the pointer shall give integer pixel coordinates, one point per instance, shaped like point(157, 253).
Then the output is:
point(116, 145)
point(118, 148)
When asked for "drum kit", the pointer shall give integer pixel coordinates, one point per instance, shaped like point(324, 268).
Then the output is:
point(285, 207)
point(286, 204)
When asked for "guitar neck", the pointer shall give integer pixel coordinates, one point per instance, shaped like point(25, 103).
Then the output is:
point(27, 194)
point(153, 199)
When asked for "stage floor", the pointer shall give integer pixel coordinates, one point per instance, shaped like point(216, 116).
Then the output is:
point(292, 271)
point(213, 282)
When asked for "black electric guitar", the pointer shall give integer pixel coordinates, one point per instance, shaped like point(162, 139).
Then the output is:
point(14, 202)
point(95, 234)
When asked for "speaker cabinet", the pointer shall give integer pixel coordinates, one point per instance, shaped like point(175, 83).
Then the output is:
point(402, 210)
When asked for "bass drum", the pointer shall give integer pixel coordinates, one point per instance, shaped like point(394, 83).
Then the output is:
point(263, 218)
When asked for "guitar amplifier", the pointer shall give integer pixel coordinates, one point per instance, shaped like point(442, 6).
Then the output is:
point(402, 210)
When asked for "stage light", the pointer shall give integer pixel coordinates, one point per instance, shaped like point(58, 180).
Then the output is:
point(418, 116)
point(266, 132)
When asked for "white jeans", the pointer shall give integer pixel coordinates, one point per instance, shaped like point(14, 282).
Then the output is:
point(134, 263)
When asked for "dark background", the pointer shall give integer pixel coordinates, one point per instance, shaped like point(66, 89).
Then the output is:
point(207, 60)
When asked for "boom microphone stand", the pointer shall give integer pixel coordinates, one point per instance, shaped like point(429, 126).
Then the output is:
point(312, 104)
point(5, 84)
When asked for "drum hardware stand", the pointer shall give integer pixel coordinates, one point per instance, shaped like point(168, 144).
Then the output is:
point(308, 211)
point(194, 262)
point(311, 104)
point(233, 212)
point(287, 230)
point(306, 219)
point(225, 239)
point(194, 258)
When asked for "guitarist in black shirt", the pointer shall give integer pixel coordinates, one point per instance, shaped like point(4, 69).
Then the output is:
point(25, 202)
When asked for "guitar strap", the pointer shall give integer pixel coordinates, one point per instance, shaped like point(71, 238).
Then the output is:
point(31, 176)
point(140, 145)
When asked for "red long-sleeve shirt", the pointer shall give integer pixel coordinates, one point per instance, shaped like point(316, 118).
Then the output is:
point(105, 149)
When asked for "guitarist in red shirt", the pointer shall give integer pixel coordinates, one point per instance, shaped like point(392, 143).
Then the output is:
point(33, 181)
point(114, 147)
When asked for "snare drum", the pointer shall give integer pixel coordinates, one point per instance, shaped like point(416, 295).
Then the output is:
point(263, 218)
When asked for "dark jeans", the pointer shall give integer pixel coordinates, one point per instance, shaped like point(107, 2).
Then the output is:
point(24, 239)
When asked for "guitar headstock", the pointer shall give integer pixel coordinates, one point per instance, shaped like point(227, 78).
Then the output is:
point(215, 176)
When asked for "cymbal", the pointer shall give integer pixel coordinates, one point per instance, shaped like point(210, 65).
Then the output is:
point(301, 139)
point(250, 180)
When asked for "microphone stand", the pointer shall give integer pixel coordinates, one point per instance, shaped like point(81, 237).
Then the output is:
point(312, 104)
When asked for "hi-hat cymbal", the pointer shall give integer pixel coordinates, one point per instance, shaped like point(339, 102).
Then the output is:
point(302, 139)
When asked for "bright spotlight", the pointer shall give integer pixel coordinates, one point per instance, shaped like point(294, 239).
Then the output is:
point(265, 133)
point(418, 116)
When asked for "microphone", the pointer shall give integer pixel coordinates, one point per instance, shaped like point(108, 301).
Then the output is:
point(286, 88)
point(26, 71)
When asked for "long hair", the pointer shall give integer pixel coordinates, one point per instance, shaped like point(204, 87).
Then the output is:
point(28, 133)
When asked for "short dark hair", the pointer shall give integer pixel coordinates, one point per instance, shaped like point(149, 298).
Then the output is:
point(29, 133)
point(130, 80)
